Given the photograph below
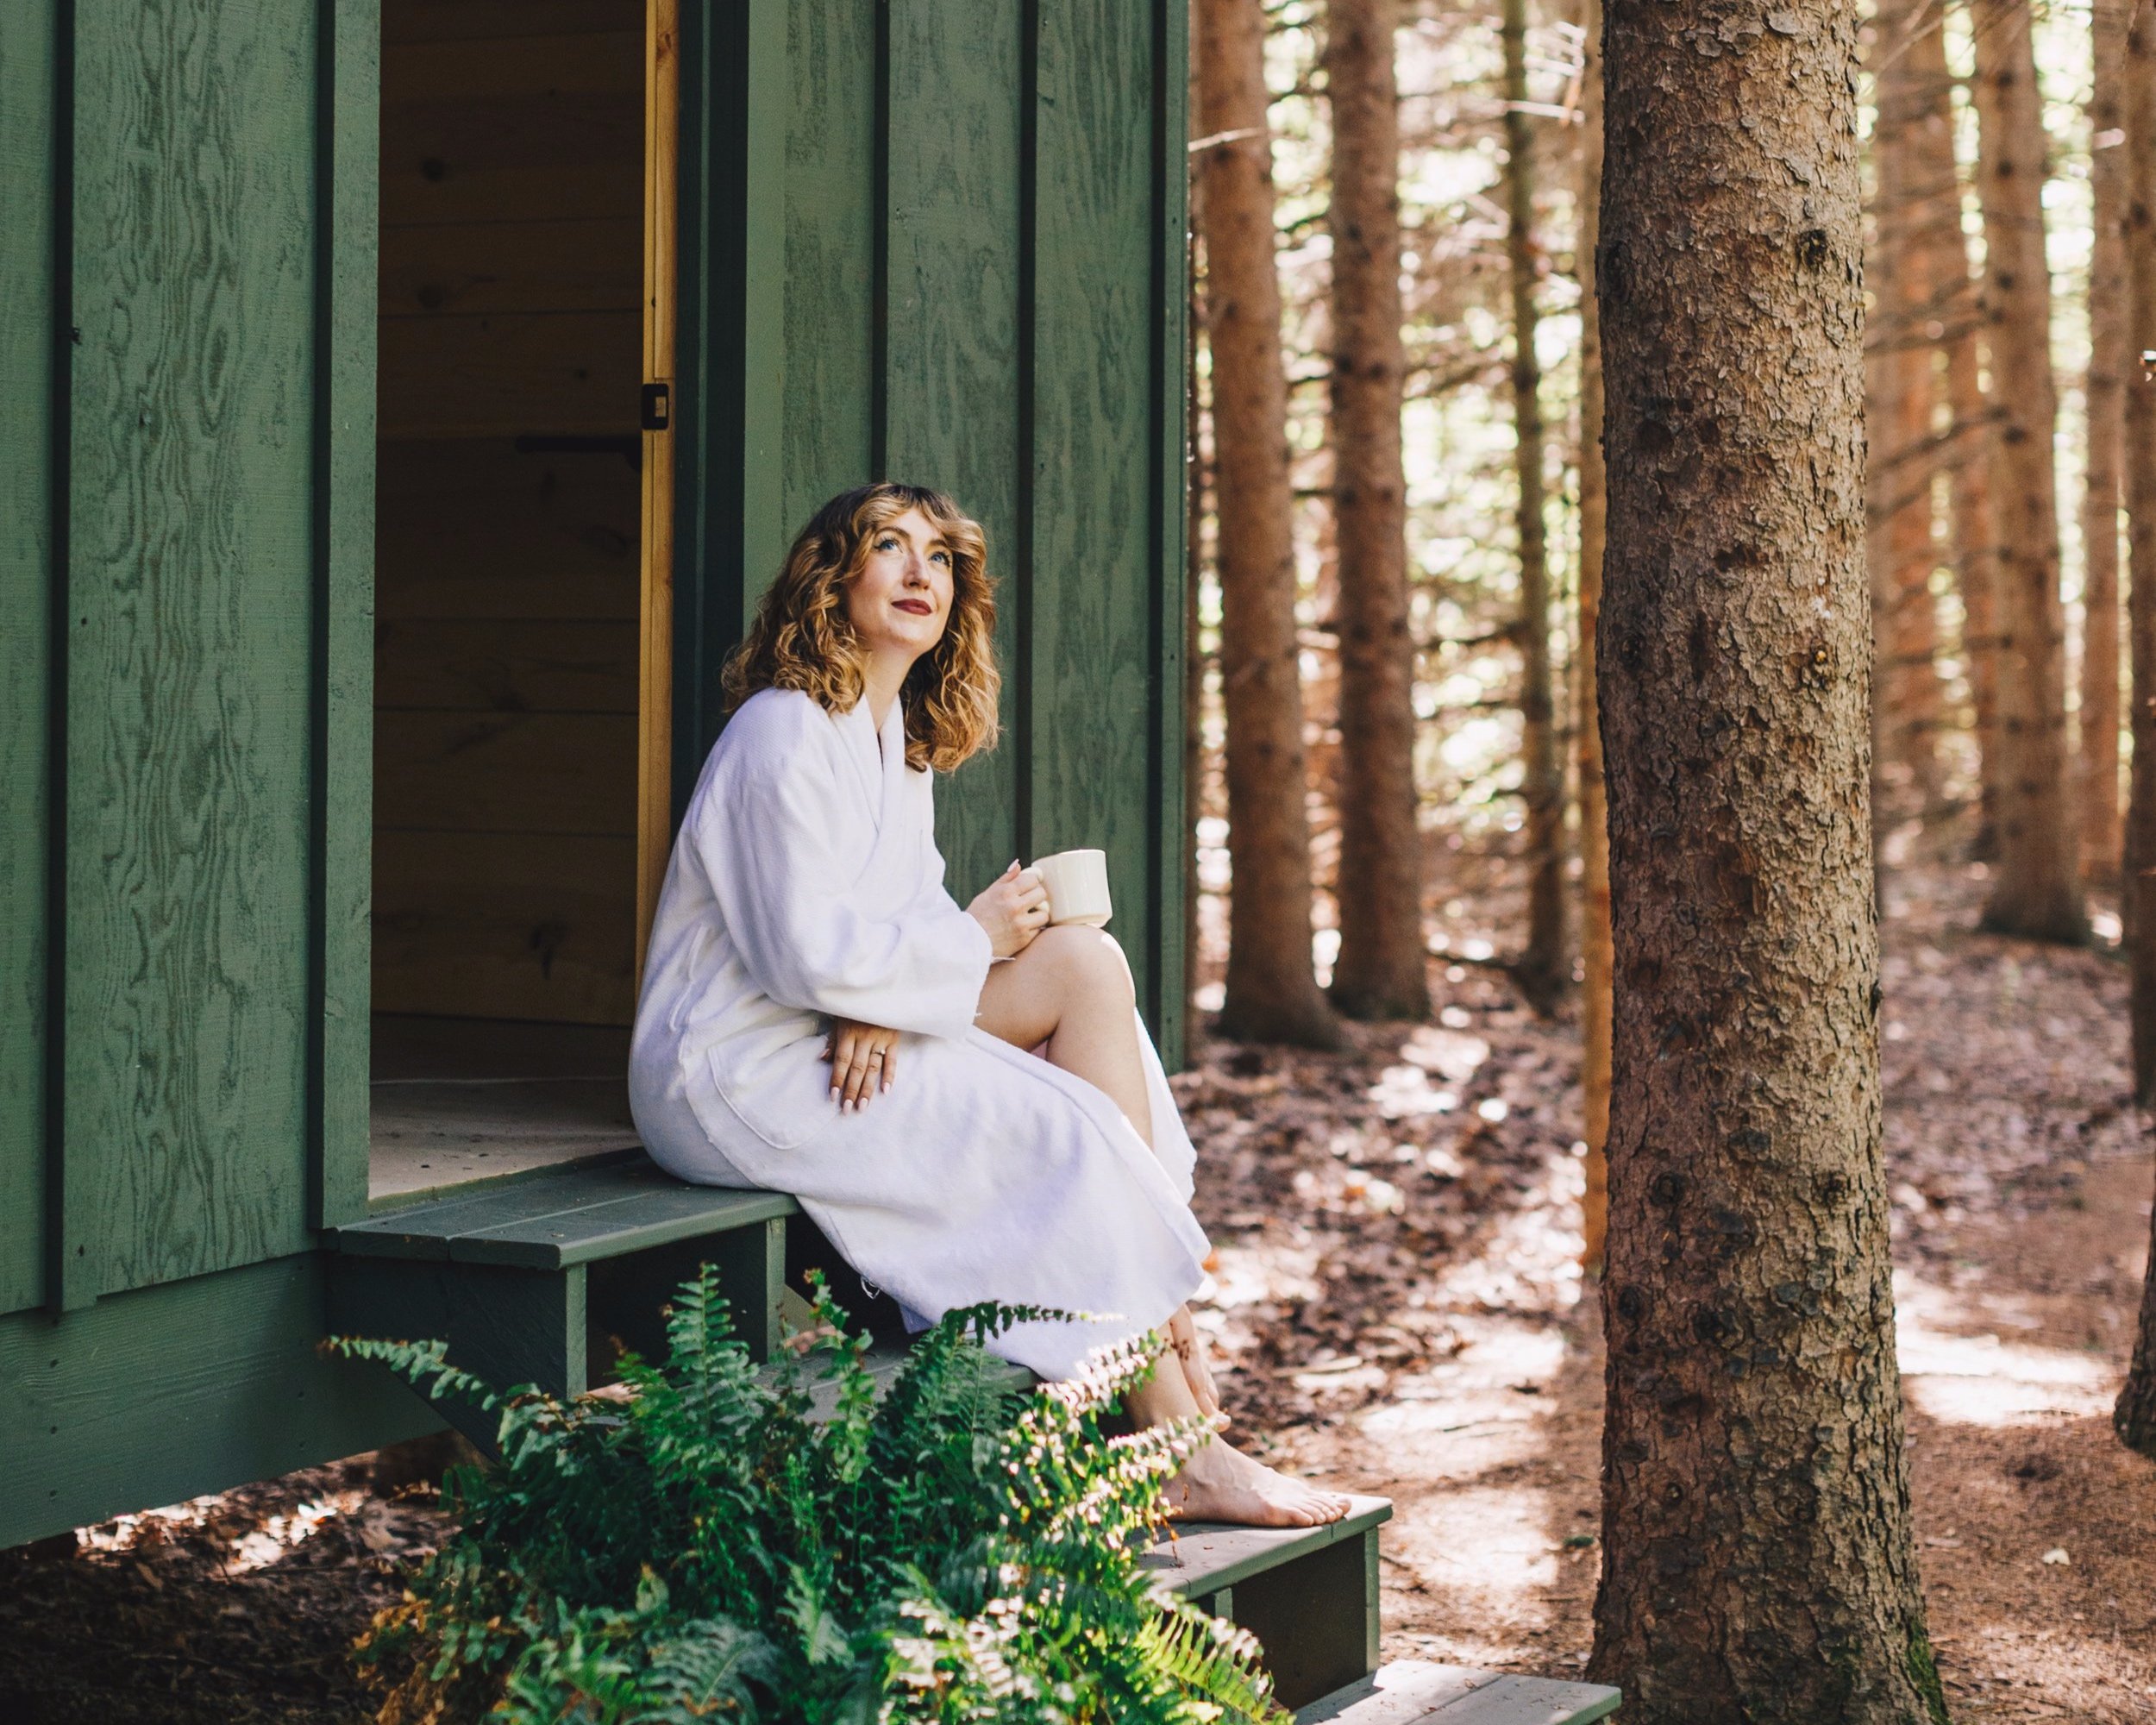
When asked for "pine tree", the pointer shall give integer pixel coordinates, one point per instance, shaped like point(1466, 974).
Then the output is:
point(1272, 992)
point(1758, 1560)
point(1380, 970)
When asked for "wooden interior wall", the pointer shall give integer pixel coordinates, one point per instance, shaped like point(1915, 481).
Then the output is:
point(507, 508)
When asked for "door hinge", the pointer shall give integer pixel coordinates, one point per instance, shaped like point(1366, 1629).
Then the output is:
point(658, 407)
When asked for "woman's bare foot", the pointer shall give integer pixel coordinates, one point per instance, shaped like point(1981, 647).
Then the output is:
point(1220, 1483)
point(1190, 1350)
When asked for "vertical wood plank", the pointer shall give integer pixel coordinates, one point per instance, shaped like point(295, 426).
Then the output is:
point(831, 189)
point(655, 673)
point(190, 577)
point(29, 126)
point(730, 354)
point(1164, 998)
point(952, 382)
point(342, 815)
point(1097, 672)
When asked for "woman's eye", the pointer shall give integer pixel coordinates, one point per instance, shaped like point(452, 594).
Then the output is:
point(943, 557)
point(886, 543)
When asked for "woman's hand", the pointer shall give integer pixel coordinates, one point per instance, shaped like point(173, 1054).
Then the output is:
point(864, 1059)
point(1013, 908)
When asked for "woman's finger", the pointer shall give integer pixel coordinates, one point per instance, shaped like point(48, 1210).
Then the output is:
point(888, 1068)
point(845, 1047)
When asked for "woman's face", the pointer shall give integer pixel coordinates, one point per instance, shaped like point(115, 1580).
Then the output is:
point(900, 600)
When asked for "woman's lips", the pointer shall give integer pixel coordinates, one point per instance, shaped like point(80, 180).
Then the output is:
point(919, 607)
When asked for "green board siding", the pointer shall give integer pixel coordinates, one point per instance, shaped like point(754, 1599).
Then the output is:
point(27, 105)
point(953, 383)
point(188, 714)
point(166, 1393)
point(982, 292)
point(1094, 654)
point(830, 255)
point(340, 817)
point(183, 1061)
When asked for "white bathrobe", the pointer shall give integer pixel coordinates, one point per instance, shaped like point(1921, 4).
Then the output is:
point(806, 884)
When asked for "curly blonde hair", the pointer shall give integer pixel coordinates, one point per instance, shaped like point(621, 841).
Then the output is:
point(802, 639)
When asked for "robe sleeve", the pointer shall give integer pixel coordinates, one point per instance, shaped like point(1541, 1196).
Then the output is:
point(767, 849)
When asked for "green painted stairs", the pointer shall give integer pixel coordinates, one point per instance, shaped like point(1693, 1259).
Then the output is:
point(532, 1280)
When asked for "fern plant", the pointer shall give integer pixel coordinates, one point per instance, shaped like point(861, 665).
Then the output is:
point(703, 1548)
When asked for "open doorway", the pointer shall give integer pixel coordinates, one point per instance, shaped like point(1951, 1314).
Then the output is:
point(522, 642)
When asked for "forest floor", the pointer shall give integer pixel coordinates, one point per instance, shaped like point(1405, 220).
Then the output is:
point(1399, 1300)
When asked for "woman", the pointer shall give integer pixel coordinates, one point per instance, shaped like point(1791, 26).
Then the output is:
point(820, 1016)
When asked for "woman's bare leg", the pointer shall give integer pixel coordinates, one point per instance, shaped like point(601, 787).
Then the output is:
point(1071, 988)
point(1219, 1483)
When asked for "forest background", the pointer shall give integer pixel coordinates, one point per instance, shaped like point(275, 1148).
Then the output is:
point(1398, 517)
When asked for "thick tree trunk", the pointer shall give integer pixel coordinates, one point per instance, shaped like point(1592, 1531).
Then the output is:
point(2036, 890)
point(2135, 1416)
point(1594, 948)
point(1758, 1558)
point(1900, 403)
point(1380, 970)
point(2097, 765)
point(1543, 968)
point(1272, 992)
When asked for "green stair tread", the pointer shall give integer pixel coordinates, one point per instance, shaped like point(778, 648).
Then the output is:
point(557, 1220)
point(1203, 1557)
point(1413, 1692)
point(614, 1227)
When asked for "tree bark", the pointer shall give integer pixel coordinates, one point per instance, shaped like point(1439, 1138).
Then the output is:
point(2036, 890)
point(1272, 994)
point(2098, 762)
point(1594, 948)
point(1543, 968)
point(1758, 1557)
point(1381, 971)
point(1900, 402)
point(2135, 1414)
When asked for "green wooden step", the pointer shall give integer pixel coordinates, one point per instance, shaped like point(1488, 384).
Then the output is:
point(1308, 1594)
point(1410, 1692)
point(534, 1281)
point(553, 1220)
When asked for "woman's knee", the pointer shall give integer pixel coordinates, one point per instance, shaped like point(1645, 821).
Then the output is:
point(1088, 963)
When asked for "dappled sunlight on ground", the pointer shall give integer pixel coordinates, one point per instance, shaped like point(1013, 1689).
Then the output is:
point(1399, 1302)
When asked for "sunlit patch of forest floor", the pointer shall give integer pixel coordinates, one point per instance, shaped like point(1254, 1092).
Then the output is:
point(1398, 1296)
point(1397, 1288)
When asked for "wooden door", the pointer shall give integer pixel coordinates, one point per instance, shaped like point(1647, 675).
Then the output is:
point(655, 685)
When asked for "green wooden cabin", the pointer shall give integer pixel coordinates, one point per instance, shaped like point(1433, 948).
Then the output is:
point(403, 403)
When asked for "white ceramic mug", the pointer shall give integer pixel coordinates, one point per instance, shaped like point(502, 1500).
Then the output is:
point(1077, 883)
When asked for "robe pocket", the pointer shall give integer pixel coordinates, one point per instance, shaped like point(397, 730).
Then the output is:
point(781, 1093)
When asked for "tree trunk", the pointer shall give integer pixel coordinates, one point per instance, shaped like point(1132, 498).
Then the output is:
point(1758, 1558)
point(1543, 968)
point(1953, 295)
point(2036, 889)
point(2135, 1416)
point(2097, 766)
point(1900, 402)
point(1272, 992)
point(1595, 951)
point(1381, 971)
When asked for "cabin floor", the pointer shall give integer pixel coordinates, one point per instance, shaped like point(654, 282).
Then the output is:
point(453, 1101)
